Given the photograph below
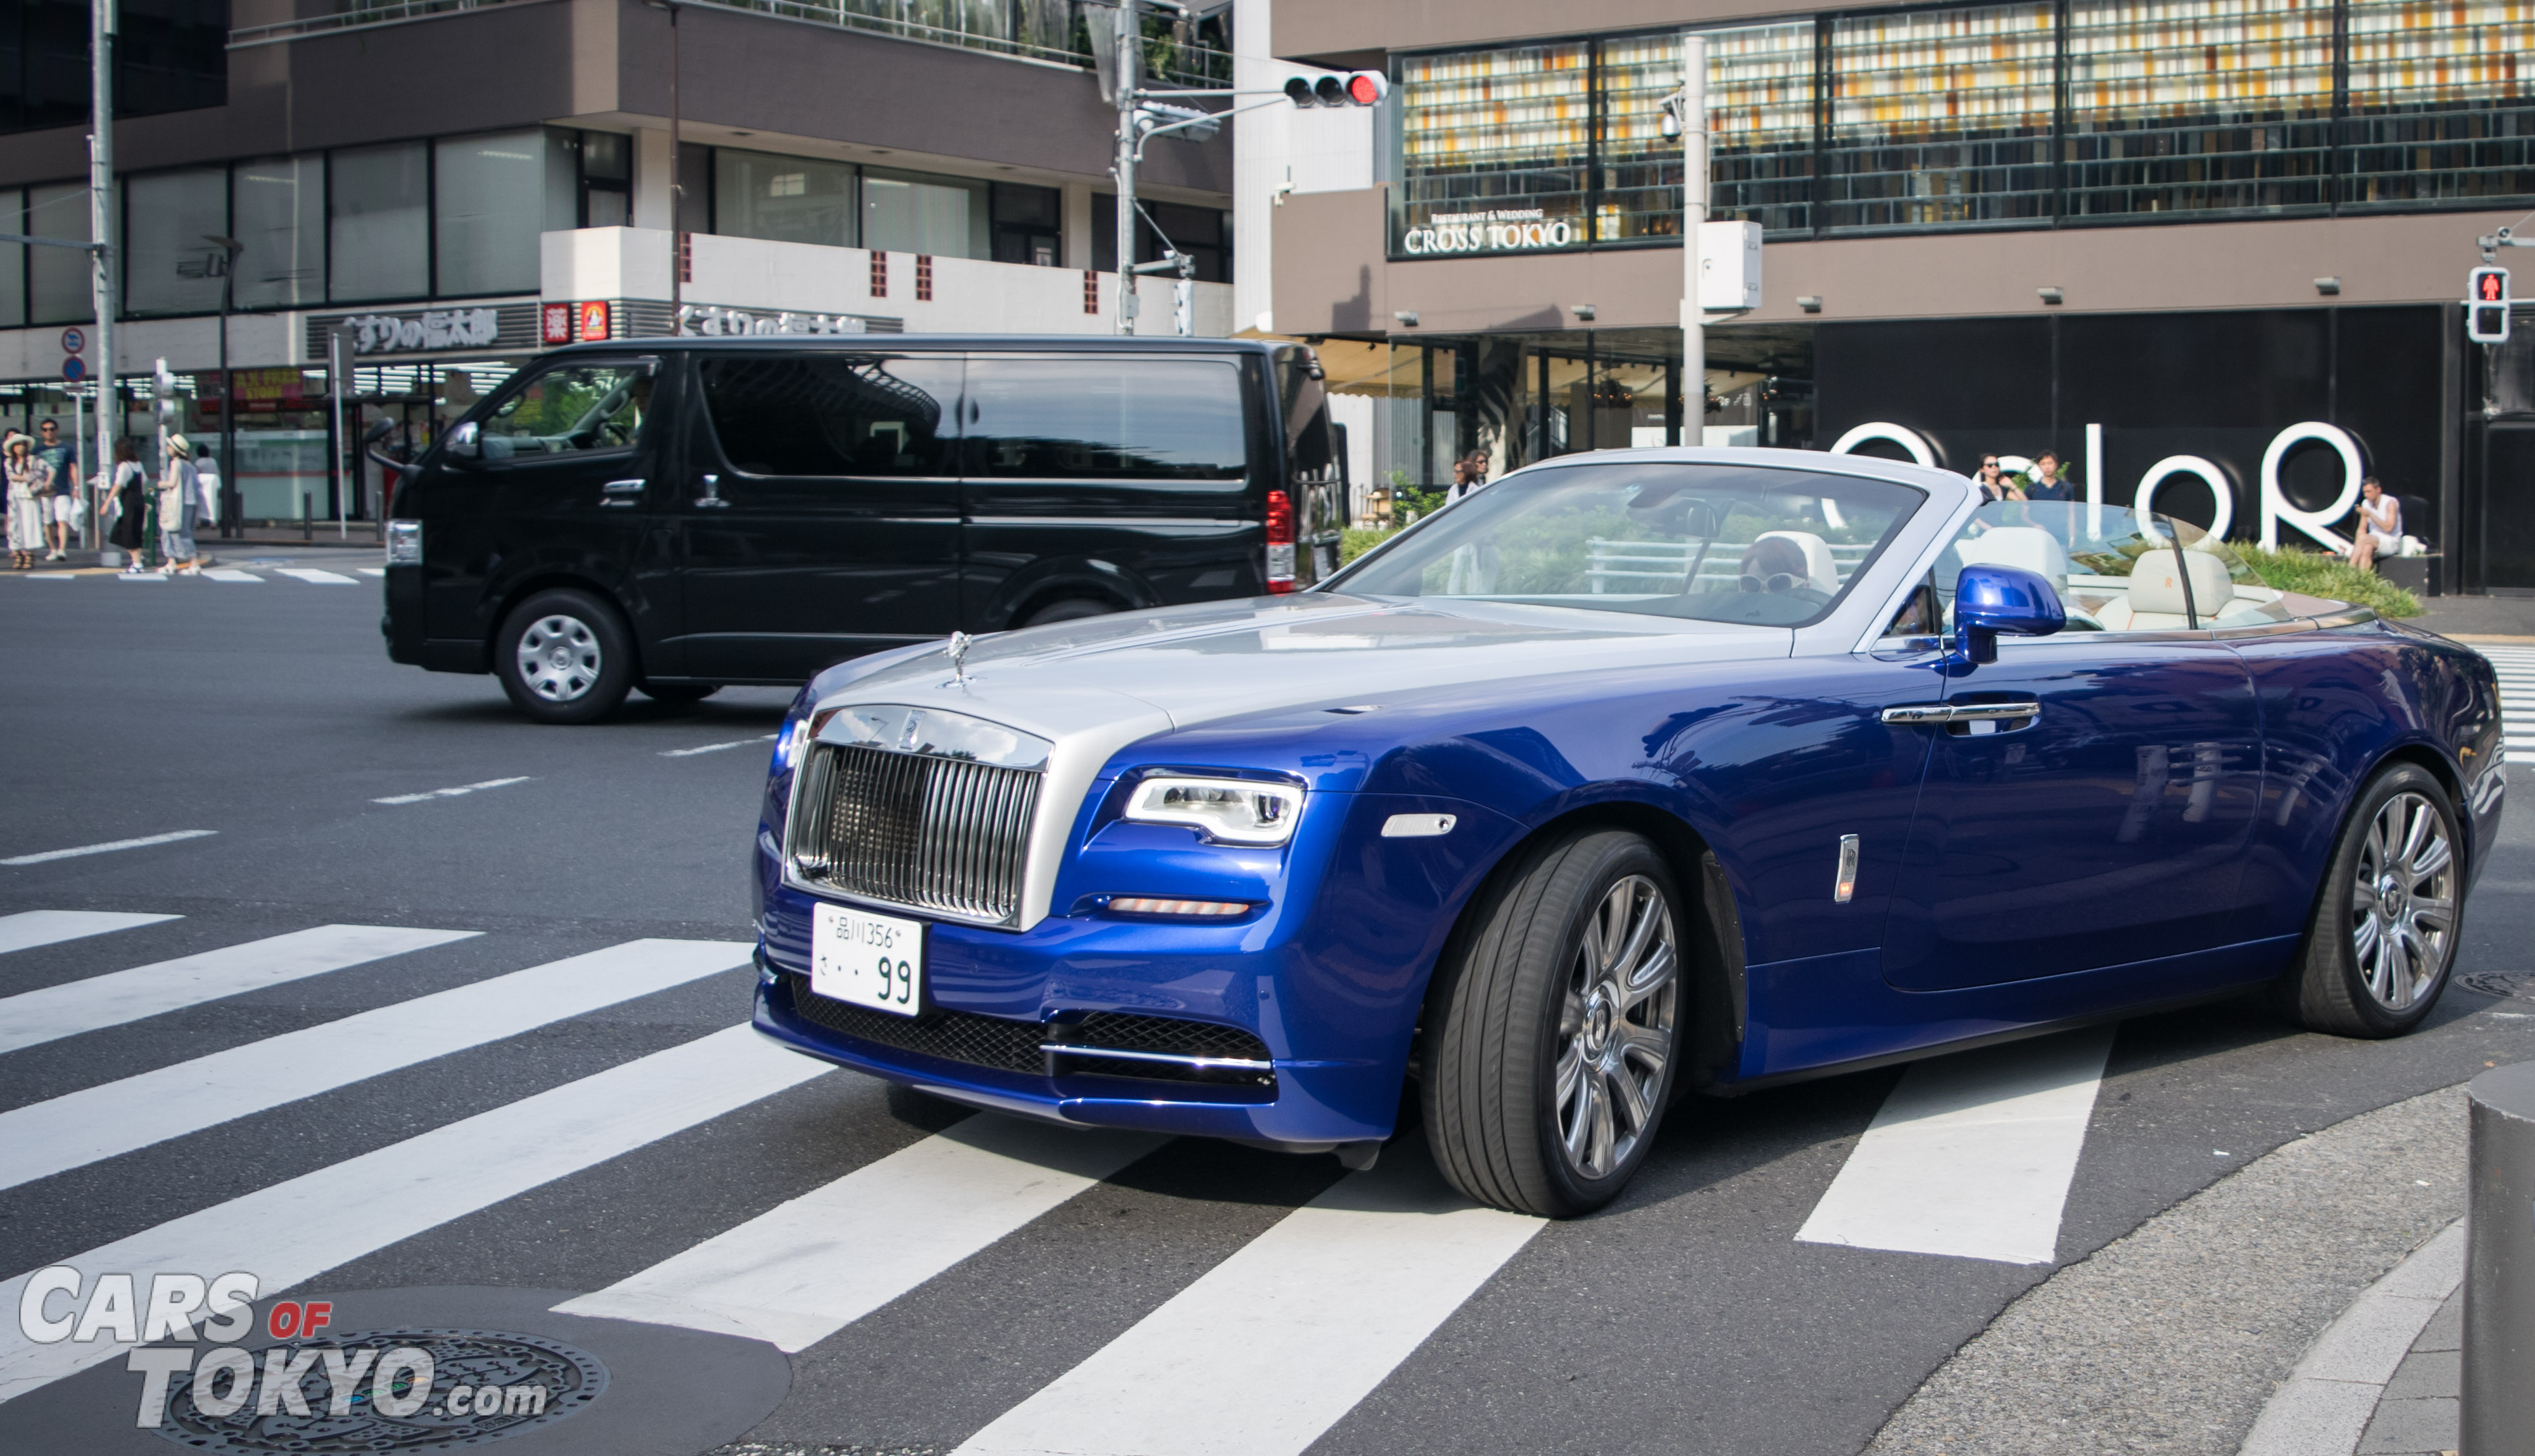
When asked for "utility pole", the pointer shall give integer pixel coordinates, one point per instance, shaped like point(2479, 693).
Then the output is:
point(102, 209)
point(1685, 114)
point(1129, 40)
point(232, 495)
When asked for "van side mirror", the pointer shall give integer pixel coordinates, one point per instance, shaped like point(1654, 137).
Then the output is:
point(1994, 599)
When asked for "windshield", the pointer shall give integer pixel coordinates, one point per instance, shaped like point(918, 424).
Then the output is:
point(1713, 543)
point(2113, 571)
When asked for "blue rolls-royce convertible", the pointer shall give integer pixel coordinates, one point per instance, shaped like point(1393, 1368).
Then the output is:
point(1636, 774)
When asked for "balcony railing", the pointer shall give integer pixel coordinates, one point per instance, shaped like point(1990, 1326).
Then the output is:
point(996, 26)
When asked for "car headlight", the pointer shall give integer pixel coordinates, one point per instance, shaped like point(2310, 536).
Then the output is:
point(1226, 811)
point(405, 543)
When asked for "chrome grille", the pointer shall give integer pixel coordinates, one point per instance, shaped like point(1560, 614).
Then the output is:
point(948, 835)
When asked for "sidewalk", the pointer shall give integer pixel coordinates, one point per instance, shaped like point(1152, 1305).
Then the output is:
point(2480, 618)
point(2384, 1379)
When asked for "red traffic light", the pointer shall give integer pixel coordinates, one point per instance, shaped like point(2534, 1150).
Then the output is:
point(1332, 89)
point(1365, 87)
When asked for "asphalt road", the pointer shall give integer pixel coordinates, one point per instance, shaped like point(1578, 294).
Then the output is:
point(1687, 1317)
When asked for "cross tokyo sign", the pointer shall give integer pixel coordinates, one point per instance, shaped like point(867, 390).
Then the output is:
point(1509, 230)
point(433, 328)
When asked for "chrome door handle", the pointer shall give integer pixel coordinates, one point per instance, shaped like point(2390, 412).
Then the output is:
point(1960, 712)
point(621, 493)
point(712, 498)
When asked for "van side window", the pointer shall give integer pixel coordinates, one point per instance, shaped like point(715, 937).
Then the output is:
point(834, 413)
point(1132, 419)
point(570, 411)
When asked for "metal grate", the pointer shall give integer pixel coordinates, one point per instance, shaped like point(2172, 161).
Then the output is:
point(951, 1036)
point(943, 835)
point(1120, 1031)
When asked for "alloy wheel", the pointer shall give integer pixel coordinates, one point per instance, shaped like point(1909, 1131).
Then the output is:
point(2402, 902)
point(559, 657)
point(1615, 1029)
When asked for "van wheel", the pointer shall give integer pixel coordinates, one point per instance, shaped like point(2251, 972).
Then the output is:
point(1070, 609)
point(677, 692)
point(1551, 1038)
point(564, 656)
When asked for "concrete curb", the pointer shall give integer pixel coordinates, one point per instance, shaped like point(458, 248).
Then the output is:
point(2324, 1407)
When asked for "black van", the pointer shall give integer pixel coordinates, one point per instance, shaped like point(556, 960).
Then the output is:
point(677, 515)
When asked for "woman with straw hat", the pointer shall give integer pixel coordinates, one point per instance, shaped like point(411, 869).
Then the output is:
point(31, 491)
point(180, 504)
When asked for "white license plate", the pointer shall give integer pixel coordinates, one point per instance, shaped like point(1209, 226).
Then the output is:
point(871, 960)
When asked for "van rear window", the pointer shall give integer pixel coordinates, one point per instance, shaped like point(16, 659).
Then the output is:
point(1135, 419)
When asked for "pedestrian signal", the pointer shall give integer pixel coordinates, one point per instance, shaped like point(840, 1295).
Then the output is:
point(2486, 305)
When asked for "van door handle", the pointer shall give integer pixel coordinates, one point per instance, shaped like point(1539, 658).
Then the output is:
point(626, 493)
point(712, 498)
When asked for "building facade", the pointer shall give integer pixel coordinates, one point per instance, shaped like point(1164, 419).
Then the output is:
point(454, 188)
point(2228, 232)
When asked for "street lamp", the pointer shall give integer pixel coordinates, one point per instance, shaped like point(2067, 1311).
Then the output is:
point(232, 497)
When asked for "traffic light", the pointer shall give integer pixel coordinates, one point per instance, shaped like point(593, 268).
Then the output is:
point(2486, 305)
point(1337, 89)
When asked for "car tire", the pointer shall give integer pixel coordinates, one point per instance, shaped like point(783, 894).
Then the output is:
point(2390, 902)
point(677, 692)
point(565, 657)
point(1070, 609)
point(1559, 1005)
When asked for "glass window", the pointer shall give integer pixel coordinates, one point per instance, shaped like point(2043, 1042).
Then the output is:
point(170, 263)
point(783, 199)
point(1940, 116)
point(1639, 189)
point(606, 179)
point(1712, 543)
point(2441, 110)
point(13, 260)
point(1144, 419)
point(59, 281)
point(379, 240)
point(1027, 227)
point(281, 218)
point(2213, 105)
point(939, 216)
point(569, 410)
point(491, 205)
point(2115, 573)
point(1761, 125)
point(1493, 151)
point(835, 415)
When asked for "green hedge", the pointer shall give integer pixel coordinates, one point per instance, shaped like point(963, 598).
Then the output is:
point(2319, 574)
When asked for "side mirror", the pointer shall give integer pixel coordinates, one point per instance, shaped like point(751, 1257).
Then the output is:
point(1992, 599)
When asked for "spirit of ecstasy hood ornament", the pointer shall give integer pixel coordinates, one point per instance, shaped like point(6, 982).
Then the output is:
point(957, 648)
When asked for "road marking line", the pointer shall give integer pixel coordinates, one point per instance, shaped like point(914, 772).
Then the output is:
point(294, 1231)
point(116, 1118)
point(225, 574)
point(710, 748)
point(119, 997)
point(1972, 1155)
point(321, 578)
point(373, 571)
point(461, 789)
point(28, 928)
point(109, 847)
point(1273, 1346)
point(805, 1269)
point(51, 577)
point(138, 577)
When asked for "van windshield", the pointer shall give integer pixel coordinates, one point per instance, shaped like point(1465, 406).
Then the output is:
point(1714, 543)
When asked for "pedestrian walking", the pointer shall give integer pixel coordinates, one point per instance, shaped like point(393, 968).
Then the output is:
point(30, 499)
point(180, 506)
point(62, 510)
point(2381, 525)
point(124, 514)
point(1995, 485)
point(1469, 472)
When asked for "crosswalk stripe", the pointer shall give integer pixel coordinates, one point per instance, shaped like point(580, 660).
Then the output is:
point(372, 570)
point(115, 1118)
point(1273, 1346)
point(28, 928)
point(800, 1272)
point(294, 1231)
point(320, 578)
point(225, 574)
point(118, 996)
point(1972, 1155)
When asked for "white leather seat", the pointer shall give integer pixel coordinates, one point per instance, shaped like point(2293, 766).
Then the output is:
point(1823, 576)
point(2154, 601)
point(2028, 546)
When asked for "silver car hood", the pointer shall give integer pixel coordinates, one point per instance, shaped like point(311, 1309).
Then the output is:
point(1093, 687)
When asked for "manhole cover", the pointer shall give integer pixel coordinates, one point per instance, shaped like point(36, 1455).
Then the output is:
point(414, 1391)
point(2506, 985)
